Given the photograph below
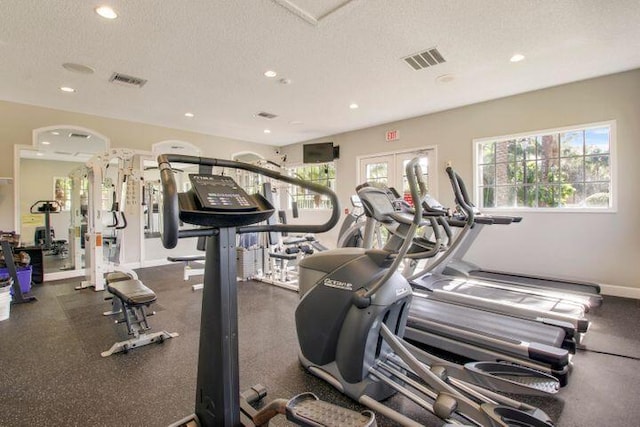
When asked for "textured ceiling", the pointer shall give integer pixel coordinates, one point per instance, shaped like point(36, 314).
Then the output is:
point(208, 57)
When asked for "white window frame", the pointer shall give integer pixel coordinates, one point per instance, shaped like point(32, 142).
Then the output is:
point(67, 182)
point(290, 168)
point(613, 169)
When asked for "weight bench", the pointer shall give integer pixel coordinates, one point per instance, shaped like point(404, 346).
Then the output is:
point(280, 267)
point(134, 298)
point(188, 269)
point(116, 276)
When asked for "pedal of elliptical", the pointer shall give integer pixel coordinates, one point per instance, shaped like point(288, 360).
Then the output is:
point(307, 410)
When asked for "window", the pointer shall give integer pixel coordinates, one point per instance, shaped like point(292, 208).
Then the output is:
point(62, 192)
point(558, 169)
point(323, 174)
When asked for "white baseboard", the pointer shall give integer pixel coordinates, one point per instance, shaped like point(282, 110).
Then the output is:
point(620, 291)
point(61, 275)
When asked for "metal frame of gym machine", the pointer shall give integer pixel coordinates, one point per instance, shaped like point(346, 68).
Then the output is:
point(128, 179)
point(471, 331)
point(218, 398)
point(350, 322)
point(584, 293)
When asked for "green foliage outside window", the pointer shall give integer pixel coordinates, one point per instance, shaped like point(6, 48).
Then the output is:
point(323, 174)
point(559, 169)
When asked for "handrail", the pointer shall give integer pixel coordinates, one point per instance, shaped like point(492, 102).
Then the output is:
point(50, 202)
point(170, 209)
point(461, 195)
point(362, 298)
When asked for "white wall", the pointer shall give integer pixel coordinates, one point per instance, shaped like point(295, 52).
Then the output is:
point(17, 121)
point(603, 247)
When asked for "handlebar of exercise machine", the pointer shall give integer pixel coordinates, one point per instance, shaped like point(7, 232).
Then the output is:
point(171, 212)
point(48, 205)
point(362, 298)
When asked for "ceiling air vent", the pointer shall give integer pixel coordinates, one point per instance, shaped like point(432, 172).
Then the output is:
point(64, 153)
point(266, 115)
point(127, 80)
point(426, 59)
point(79, 135)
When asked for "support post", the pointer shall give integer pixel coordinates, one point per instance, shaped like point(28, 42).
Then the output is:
point(218, 384)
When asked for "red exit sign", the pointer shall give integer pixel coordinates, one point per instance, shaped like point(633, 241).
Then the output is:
point(392, 135)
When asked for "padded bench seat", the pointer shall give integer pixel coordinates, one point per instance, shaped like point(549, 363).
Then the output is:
point(186, 258)
point(132, 292)
point(117, 276)
point(282, 255)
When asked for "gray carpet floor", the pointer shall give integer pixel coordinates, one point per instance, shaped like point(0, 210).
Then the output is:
point(53, 375)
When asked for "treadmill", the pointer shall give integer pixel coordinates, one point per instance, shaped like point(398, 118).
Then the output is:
point(472, 332)
point(453, 263)
point(550, 309)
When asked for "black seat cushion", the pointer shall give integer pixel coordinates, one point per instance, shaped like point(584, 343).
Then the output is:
point(132, 292)
point(117, 276)
point(186, 258)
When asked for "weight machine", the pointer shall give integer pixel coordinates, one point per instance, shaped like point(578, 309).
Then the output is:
point(117, 229)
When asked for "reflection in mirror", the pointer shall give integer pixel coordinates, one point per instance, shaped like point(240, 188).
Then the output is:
point(52, 193)
point(152, 191)
point(153, 251)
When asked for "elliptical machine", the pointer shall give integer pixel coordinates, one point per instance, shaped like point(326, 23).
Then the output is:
point(350, 322)
point(223, 209)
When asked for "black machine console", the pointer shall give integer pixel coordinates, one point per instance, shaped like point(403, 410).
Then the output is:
point(221, 193)
point(218, 201)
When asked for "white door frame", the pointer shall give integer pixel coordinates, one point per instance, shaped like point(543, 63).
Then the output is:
point(431, 151)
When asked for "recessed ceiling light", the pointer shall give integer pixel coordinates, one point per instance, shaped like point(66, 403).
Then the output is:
point(267, 131)
point(55, 133)
point(45, 143)
point(270, 73)
point(67, 89)
point(77, 68)
point(517, 57)
point(39, 154)
point(190, 115)
point(106, 12)
point(445, 78)
point(354, 106)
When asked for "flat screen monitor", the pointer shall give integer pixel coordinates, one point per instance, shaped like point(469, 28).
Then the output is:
point(317, 153)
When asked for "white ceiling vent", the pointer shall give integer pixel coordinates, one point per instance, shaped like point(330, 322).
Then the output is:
point(127, 80)
point(426, 59)
point(266, 115)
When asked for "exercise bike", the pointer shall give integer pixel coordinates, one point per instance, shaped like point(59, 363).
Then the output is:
point(350, 322)
point(223, 209)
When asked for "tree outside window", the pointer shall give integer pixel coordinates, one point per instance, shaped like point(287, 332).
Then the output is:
point(323, 174)
point(62, 192)
point(556, 169)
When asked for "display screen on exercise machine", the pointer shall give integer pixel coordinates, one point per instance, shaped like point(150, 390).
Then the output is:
point(221, 193)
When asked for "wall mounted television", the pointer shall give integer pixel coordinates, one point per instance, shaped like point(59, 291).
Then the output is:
point(319, 153)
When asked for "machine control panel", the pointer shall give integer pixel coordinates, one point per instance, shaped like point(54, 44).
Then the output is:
point(221, 193)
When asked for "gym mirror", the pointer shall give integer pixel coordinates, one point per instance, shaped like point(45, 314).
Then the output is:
point(51, 197)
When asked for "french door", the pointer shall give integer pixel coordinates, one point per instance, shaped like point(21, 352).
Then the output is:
point(389, 170)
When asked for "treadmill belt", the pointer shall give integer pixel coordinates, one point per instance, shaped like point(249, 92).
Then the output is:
point(506, 296)
point(557, 285)
point(482, 322)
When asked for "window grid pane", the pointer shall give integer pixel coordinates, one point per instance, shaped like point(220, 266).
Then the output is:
point(569, 169)
point(323, 174)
